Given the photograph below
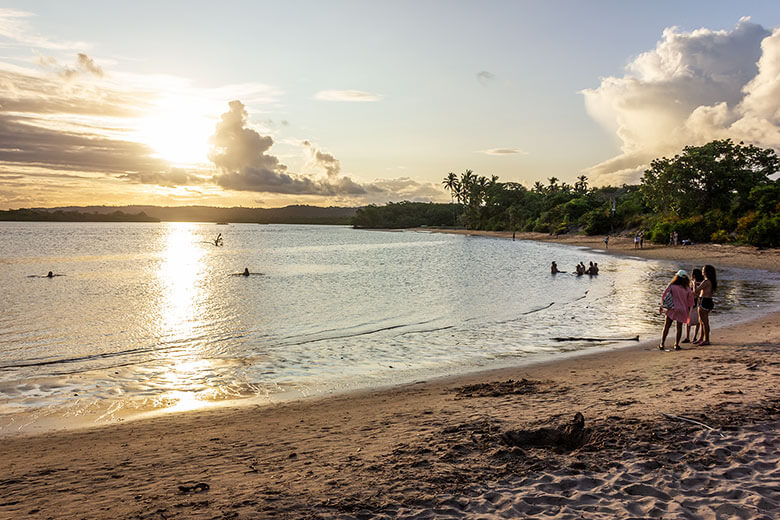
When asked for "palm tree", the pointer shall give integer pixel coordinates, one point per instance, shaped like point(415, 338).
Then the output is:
point(466, 182)
point(451, 183)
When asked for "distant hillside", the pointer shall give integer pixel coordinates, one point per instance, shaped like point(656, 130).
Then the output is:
point(58, 215)
point(285, 215)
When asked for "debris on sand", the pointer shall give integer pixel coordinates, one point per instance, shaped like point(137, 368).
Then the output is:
point(565, 437)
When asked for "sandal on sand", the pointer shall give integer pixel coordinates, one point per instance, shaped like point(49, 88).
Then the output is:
point(660, 347)
point(704, 343)
point(677, 347)
point(686, 340)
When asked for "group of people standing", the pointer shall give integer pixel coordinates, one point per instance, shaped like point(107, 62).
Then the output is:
point(689, 301)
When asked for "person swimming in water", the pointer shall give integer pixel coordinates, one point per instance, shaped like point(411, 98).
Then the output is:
point(246, 272)
point(554, 268)
point(50, 275)
point(218, 240)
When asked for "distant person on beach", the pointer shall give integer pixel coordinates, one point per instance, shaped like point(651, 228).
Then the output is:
point(677, 300)
point(696, 279)
point(595, 268)
point(554, 268)
point(706, 288)
point(641, 240)
point(636, 241)
point(606, 242)
point(589, 270)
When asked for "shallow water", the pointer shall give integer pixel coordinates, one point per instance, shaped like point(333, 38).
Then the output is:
point(153, 316)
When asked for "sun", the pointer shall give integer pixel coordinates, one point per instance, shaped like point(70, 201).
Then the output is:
point(178, 130)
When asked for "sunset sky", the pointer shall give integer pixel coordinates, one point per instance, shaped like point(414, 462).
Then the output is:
point(350, 102)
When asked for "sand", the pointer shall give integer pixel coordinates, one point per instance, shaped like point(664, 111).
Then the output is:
point(497, 444)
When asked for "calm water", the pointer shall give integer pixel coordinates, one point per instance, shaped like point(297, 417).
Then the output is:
point(151, 316)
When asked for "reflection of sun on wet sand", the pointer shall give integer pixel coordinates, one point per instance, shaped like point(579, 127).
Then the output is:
point(506, 443)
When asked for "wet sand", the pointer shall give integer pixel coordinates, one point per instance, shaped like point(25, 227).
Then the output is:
point(497, 444)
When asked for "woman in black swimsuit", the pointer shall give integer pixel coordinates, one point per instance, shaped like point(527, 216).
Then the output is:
point(707, 287)
point(696, 279)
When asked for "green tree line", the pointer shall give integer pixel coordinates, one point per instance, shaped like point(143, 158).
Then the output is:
point(72, 216)
point(718, 192)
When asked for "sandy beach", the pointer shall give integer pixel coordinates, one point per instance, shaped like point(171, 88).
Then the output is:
point(592, 436)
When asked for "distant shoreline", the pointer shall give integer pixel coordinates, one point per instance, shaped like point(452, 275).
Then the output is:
point(296, 214)
point(744, 257)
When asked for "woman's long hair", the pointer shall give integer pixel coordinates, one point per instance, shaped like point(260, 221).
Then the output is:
point(680, 280)
point(709, 274)
point(697, 276)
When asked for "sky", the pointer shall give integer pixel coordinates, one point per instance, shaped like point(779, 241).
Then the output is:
point(266, 104)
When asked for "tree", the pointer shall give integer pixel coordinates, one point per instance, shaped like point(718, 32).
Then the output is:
point(451, 183)
point(581, 186)
point(714, 176)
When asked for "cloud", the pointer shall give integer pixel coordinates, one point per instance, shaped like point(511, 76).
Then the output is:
point(30, 92)
point(504, 151)
point(171, 178)
point(347, 95)
point(70, 125)
point(14, 26)
point(323, 160)
point(692, 88)
point(26, 141)
point(485, 77)
point(84, 65)
point(406, 188)
point(241, 156)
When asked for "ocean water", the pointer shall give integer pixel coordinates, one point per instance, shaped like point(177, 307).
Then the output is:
point(149, 318)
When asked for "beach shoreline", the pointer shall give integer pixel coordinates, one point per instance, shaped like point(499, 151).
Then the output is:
point(444, 448)
point(729, 255)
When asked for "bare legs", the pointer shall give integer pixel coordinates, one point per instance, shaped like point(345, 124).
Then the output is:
point(678, 335)
point(688, 333)
point(704, 319)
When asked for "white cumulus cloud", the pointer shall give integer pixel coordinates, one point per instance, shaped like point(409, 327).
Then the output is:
point(692, 88)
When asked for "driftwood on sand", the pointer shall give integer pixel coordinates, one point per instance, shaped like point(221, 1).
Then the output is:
point(573, 338)
point(568, 436)
point(692, 421)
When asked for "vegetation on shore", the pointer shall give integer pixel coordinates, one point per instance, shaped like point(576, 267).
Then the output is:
point(287, 215)
point(718, 192)
point(73, 216)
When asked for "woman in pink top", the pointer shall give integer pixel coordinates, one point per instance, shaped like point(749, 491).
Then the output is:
point(677, 300)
